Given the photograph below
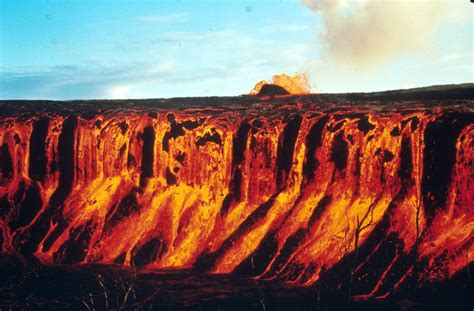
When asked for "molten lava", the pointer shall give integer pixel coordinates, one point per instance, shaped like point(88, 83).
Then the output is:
point(298, 84)
point(285, 192)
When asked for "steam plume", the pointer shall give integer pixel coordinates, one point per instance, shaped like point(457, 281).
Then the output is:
point(371, 32)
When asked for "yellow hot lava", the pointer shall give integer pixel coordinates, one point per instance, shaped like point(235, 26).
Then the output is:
point(297, 84)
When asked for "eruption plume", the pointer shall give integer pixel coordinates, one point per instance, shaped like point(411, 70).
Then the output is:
point(369, 33)
point(298, 84)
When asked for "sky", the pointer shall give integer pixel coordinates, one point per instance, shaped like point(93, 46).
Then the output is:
point(80, 49)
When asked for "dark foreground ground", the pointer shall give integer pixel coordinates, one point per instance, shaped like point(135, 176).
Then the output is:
point(96, 287)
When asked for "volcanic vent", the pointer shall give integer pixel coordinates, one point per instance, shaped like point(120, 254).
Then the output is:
point(369, 194)
point(283, 85)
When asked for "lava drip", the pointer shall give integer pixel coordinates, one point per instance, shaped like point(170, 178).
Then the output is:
point(353, 198)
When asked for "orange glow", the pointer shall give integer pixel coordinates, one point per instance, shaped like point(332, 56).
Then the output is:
point(297, 84)
point(188, 189)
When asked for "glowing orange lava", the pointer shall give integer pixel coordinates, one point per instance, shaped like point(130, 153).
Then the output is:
point(291, 189)
point(297, 84)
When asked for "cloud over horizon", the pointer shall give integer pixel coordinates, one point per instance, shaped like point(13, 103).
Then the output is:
point(211, 70)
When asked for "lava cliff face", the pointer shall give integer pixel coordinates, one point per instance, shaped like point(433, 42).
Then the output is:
point(291, 192)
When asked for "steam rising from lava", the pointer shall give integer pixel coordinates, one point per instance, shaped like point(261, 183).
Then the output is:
point(369, 33)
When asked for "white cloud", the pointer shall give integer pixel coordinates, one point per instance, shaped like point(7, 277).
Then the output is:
point(118, 91)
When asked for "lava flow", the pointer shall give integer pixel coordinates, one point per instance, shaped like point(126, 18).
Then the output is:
point(296, 190)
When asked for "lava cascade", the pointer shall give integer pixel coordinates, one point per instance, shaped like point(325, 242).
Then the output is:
point(278, 192)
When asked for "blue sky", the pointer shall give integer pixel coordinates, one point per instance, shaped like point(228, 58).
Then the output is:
point(144, 49)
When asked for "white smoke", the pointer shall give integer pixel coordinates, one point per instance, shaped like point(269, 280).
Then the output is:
point(371, 32)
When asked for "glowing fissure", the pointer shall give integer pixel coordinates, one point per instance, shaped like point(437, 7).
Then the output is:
point(285, 192)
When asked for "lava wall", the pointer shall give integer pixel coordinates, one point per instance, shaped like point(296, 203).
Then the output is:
point(284, 192)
